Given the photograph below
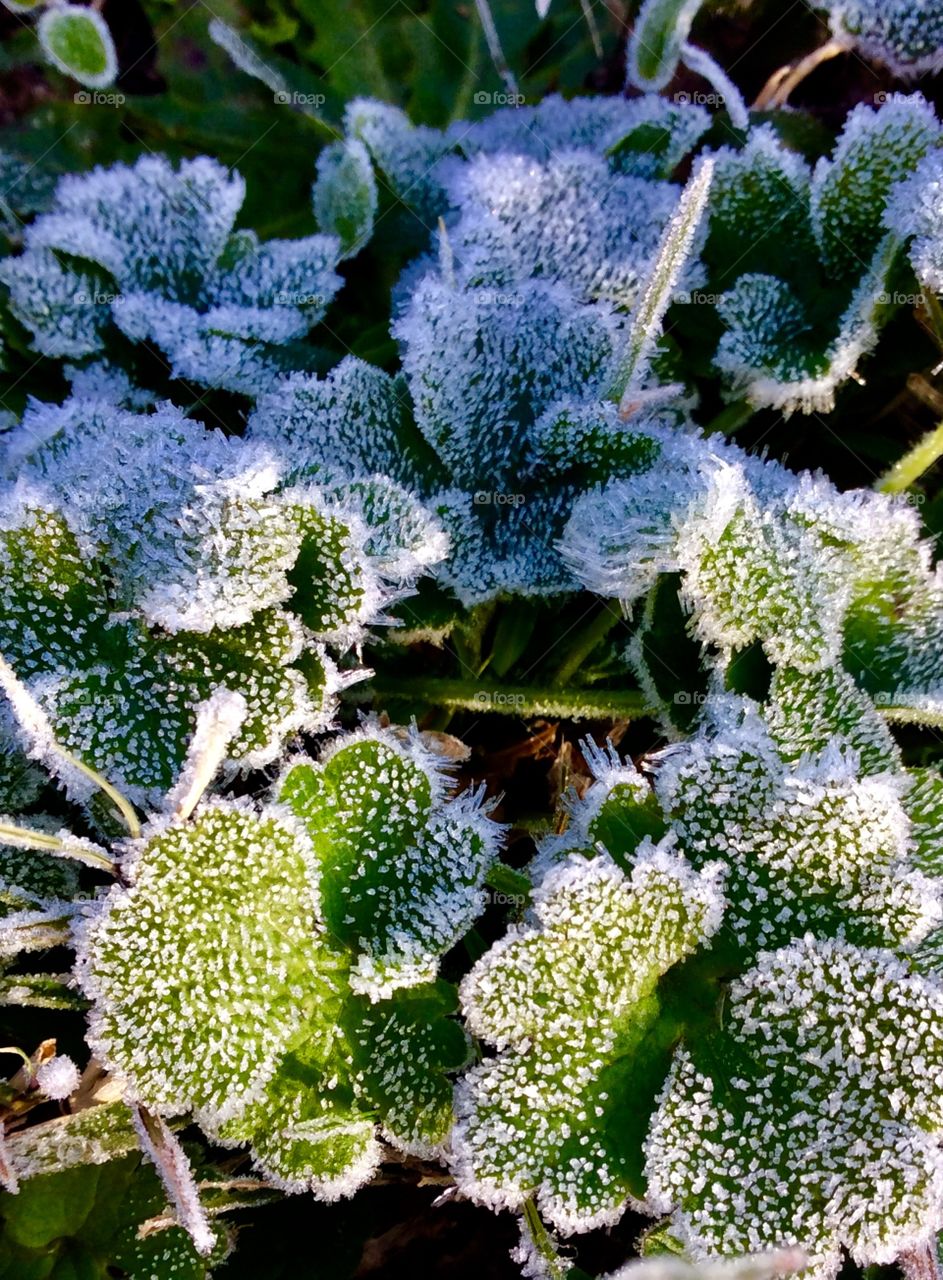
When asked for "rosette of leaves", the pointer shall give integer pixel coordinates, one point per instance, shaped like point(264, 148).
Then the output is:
point(813, 839)
point(147, 561)
point(270, 968)
point(274, 969)
point(515, 364)
point(149, 254)
point(804, 272)
point(769, 568)
point(803, 801)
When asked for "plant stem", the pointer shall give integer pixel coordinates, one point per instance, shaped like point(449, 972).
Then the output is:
point(517, 700)
point(908, 469)
point(731, 418)
point(586, 641)
point(543, 1242)
point(25, 838)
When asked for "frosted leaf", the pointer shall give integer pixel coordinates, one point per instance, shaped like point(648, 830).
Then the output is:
point(202, 969)
point(406, 154)
point(402, 873)
point(143, 559)
point(504, 543)
point(95, 1135)
point(349, 424)
point(188, 518)
point(923, 801)
point(807, 713)
point(402, 537)
point(33, 880)
point(892, 629)
point(876, 149)
point(568, 219)
point(153, 228)
point(593, 442)
point(78, 42)
point(403, 1051)
point(131, 713)
point(472, 357)
point(904, 36)
point(811, 845)
point(778, 359)
point(657, 39)
point(53, 596)
point(152, 250)
point(21, 782)
point(617, 813)
point(659, 137)
point(306, 1130)
point(58, 1077)
point(345, 194)
point(813, 1117)
point(620, 537)
point(759, 205)
point(915, 209)
point(647, 136)
point(52, 302)
point(571, 1006)
point(754, 573)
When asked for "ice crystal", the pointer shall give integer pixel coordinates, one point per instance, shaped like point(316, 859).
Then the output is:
point(58, 1077)
point(152, 252)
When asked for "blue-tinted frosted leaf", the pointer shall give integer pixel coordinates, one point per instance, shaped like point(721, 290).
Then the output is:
point(345, 194)
point(659, 33)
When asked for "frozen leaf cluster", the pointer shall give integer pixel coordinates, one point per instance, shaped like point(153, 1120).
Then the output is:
point(511, 333)
point(805, 271)
point(148, 561)
point(150, 253)
point(765, 557)
point(273, 968)
point(813, 1115)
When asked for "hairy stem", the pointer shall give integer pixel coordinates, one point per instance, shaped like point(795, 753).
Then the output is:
point(509, 699)
point(494, 47)
point(908, 469)
point(25, 838)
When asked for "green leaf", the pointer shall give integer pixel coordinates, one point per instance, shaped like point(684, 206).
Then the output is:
point(77, 41)
point(203, 969)
point(571, 1007)
point(345, 194)
point(660, 31)
point(402, 873)
point(794, 1124)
